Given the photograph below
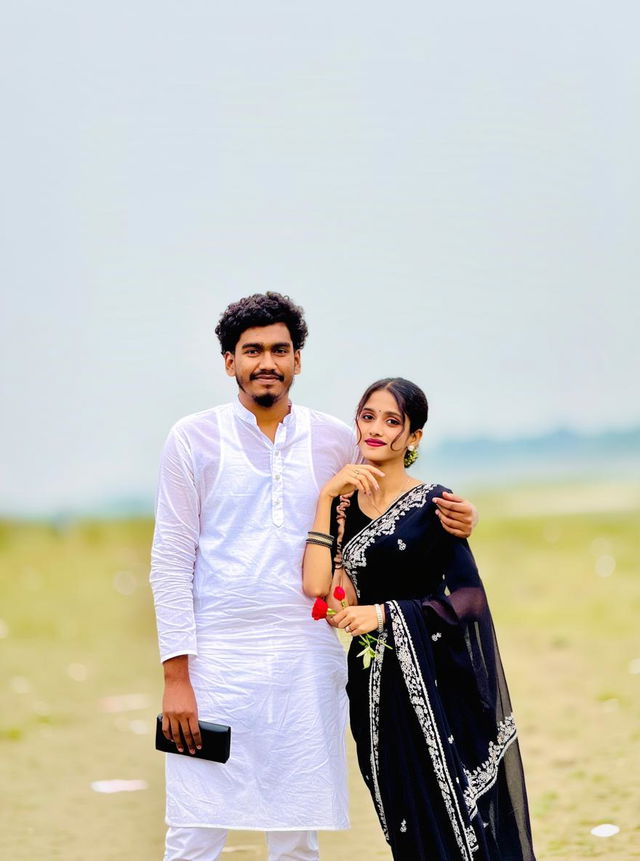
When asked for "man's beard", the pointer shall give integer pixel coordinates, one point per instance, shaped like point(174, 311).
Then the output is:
point(268, 399)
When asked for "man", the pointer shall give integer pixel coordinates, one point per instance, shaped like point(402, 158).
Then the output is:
point(237, 493)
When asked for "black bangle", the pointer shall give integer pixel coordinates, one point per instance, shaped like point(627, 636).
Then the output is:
point(324, 535)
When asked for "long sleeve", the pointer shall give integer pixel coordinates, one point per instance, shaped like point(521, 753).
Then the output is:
point(173, 554)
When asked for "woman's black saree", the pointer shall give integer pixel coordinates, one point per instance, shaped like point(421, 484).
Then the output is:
point(431, 717)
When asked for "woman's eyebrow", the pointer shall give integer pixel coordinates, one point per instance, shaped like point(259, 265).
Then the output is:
point(385, 413)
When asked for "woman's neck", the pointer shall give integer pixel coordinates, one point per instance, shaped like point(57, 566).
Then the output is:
point(395, 480)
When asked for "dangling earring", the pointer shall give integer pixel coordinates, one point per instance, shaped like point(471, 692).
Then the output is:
point(410, 456)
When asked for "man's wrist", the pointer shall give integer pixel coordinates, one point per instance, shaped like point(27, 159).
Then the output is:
point(176, 669)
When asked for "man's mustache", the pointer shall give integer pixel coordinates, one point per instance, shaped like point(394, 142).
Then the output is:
point(271, 375)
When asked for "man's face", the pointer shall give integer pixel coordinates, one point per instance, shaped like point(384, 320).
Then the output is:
point(264, 363)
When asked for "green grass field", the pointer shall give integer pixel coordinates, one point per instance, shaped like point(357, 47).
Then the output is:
point(77, 633)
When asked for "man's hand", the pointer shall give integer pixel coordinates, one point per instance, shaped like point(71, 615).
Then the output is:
point(457, 515)
point(179, 707)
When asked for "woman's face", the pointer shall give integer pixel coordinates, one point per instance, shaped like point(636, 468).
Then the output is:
point(381, 425)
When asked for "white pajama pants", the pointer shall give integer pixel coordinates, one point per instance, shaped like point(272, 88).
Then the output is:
point(206, 844)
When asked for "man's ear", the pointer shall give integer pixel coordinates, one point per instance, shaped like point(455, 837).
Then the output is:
point(297, 362)
point(230, 364)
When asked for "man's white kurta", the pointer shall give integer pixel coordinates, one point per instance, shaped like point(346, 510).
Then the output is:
point(233, 510)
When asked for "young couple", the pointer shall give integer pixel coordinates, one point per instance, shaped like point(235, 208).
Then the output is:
point(241, 486)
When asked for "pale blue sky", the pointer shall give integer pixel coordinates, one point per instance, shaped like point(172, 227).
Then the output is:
point(452, 194)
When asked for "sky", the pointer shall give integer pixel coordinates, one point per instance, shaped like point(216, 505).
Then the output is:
point(451, 193)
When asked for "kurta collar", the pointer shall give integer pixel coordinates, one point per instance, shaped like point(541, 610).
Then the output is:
point(247, 416)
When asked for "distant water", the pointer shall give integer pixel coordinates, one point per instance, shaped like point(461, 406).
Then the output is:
point(560, 456)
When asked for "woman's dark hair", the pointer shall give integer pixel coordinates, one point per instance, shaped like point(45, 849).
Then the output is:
point(411, 400)
point(261, 309)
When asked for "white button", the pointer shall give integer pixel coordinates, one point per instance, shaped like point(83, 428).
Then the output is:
point(278, 476)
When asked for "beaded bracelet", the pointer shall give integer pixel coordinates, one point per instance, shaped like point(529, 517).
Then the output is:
point(380, 619)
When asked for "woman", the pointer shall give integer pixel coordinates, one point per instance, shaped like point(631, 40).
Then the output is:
point(431, 717)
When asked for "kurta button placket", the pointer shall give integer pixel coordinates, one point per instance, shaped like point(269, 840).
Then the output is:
point(277, 503)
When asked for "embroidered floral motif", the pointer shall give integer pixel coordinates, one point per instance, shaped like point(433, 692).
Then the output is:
point(401, 544)
point(352, 576)
point(353, 553)
point(436, 637)
point(485, 775)
point(403, 826)
point(375, 679)
point(464, 834)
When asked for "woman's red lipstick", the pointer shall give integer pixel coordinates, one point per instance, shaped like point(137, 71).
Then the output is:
point(376, 443)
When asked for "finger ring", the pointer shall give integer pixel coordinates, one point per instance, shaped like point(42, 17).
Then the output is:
point(348, 629)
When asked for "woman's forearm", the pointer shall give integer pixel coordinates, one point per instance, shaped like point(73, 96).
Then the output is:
point(316, 565)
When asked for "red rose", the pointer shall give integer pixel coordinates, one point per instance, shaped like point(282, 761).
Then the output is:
point(339, 594)
point(319, 609)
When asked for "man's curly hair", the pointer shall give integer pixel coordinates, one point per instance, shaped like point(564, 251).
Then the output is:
point(261, 309)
